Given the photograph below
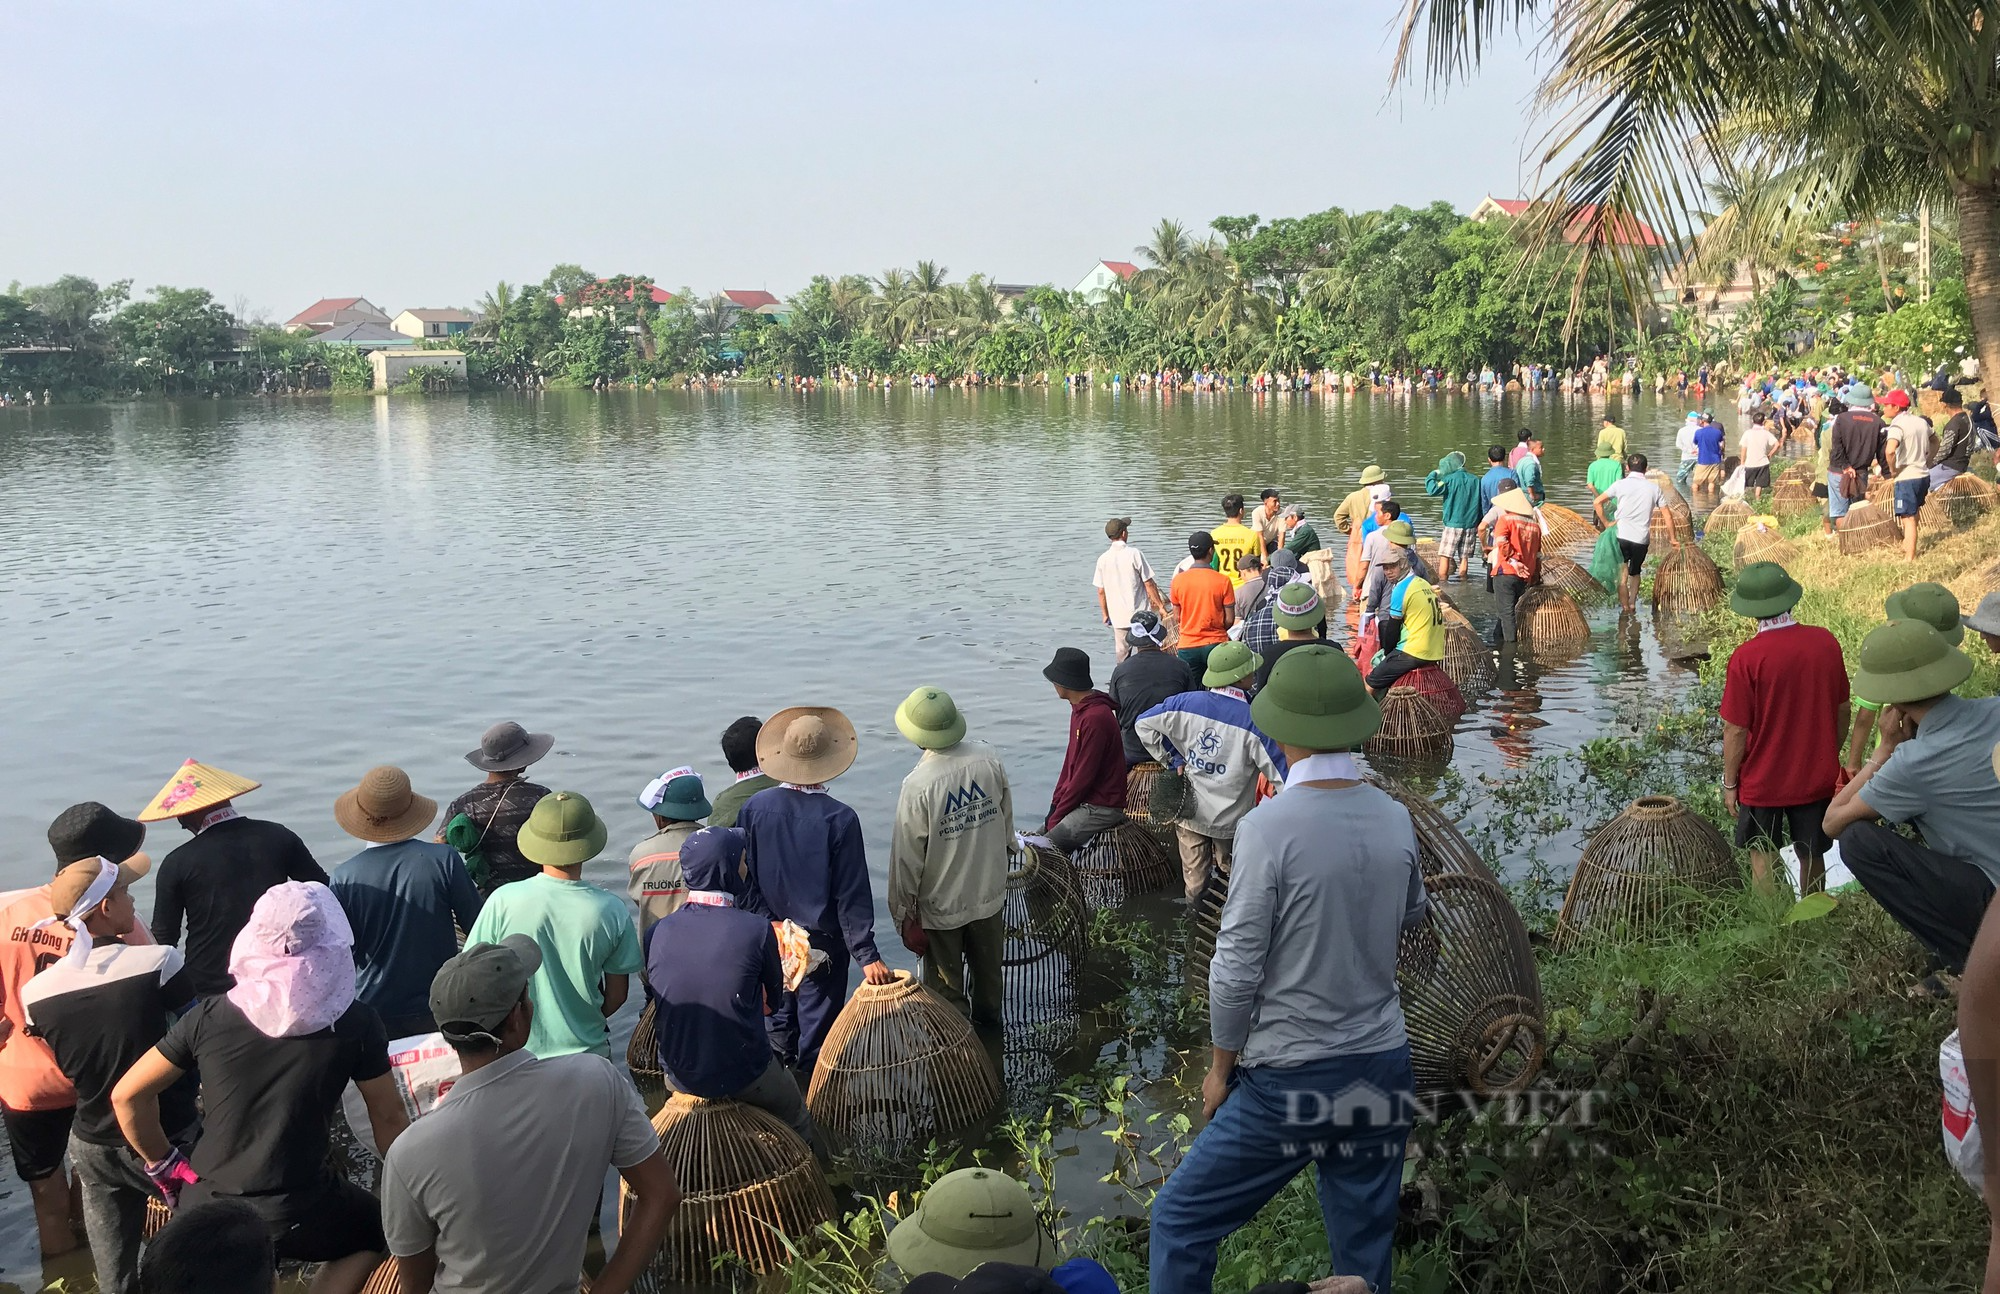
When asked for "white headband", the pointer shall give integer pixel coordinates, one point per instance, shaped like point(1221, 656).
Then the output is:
point(1154, 633)
point(656, 790)
point(100, 889)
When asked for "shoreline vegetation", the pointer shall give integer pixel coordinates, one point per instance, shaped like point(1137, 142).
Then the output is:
point(1426, 295)
point(1763, 1092)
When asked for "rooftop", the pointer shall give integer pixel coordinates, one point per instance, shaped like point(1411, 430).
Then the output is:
point(441, 316)
point(1620, 231)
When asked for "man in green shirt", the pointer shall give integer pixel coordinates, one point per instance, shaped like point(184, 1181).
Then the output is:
point(739, 750)
point(1300, 537)
point(1608, 469)
point(1612, 435)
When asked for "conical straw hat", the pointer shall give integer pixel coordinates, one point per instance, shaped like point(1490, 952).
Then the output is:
point(194, 788)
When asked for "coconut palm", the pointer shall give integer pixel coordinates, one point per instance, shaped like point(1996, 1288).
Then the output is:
point(1859, 108)
point(925, 304)
point(493, 308)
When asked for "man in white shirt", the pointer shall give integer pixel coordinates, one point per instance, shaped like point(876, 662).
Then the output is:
point(1124, 584)
point(1756, 446)
point(1909, 443)
point(1634, 497)
point(1690, 452)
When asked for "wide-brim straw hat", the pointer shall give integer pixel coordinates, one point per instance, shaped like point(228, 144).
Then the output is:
point(1372, 475)
point(929, 718)
point(1931, 603)
point(1908, 660)
point(806, 745)
point(1316, 699)
point(563, 831)
point(1763, 590)
point(382, 808)
point(507, 746)
point(194, 788)
point(1514, 501)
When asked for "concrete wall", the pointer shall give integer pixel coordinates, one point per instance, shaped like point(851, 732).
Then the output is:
point(392, 366)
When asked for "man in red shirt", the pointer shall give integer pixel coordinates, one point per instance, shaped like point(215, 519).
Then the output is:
point(1090, 792)
point(1515, 559)
point(1784, 707)
point(1205, 601)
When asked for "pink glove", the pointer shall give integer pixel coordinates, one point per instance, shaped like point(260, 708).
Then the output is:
point(170, 1176)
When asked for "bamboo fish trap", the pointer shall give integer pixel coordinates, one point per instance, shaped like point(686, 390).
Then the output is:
point(899, 1068)
point(1157, 796)
point(1634, 867)
point(1686, 581)
point(1759, 541)
point(1550, 618)
point(1676, 501)
point(1448, 612)
point(642, 1054)
point(1802, 472)
point(1468, 660)
point(1569, 577)
point(1960, 501)
point(1435, 686)
point(748, 1184)
point(1048, 937)
point(1127, 860)
point(1866, 526)
point(1566, 533)
point(1881, 492)
point(1727, 517)
point(1792, 499)
point(1413, 727)
point(1666, 526)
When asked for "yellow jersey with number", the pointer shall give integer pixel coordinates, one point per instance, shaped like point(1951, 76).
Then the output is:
point(1233, 542)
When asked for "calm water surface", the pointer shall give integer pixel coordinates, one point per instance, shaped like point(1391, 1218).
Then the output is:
point(298, 591)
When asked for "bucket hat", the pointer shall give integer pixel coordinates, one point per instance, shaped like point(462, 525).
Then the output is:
point(1514, 501)
point(194, 788)
point(712, 859)
point(1931, 603)
point(967, 1218)
point(1231, 662)
point(930, 719)
point(507, 746)
point(1299, 607)
point(383, 808)
point(1856, 395)
point(1070, 669)
point(1315, 699)
point(1763, 590)
point(563, 831)
point(92, 830)
point(1146, 630)
point(1372, 475)
point(806, 745)
point(477, 989)
point(1400, 533)
point(1907, 660)
point(677, 794)
point(1986, 618)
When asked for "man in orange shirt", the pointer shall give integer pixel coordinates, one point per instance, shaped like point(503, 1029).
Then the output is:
point(1205, 602)
point(37, 1103)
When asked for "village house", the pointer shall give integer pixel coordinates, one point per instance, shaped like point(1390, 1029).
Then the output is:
point(331, 312)
point(1098, 283)
point(428, 324)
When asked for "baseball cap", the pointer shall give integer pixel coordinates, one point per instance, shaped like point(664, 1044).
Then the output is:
point(473, 992)
point(73, 882)
point(1116, 527)
point(1200, 542)
point(1896, 398)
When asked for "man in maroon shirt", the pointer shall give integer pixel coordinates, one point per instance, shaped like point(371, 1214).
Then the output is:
point(1090, 793)
point(1784, 708)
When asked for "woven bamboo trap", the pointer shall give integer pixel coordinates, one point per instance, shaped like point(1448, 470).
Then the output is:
point(1413, 727)
point(1566, 533)
point(642, 1054)
point(1758, 542)
point(900, 1067)
point(1434, 685)
point(1468, 660)
point(1792, 499)
point(1676, 501)
point(1686, 581)
point(1156, 795)
point(1802, 471)
point(1666, 526)
point(1961, 501)
point(1867, 526)
point(1637, 864)
point(1547, 617)
point(1572, 578)
point(1048, 937)
point(1448, 612)
point(748, 1183)
point(1727, 517)
point(1128, 860)
point(1881, 492)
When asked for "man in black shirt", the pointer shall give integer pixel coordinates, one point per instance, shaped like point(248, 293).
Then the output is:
point(214, 880)
point(100, 1008)
point(1146, 677)
point(496, 809)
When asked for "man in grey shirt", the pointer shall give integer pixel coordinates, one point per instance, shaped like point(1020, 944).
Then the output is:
point(496, 1192)
point(1934, 769)
point(1311, 1060)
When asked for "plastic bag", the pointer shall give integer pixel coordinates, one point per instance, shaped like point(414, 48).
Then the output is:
point(1606, 560)
point(1962, 1143)
point(424, 1066)
point(1733, 487)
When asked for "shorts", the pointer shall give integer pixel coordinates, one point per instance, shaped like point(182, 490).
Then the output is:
point(344, 1219)
point(1757, 478)
point(39, 1140)
point(1910, 495)
point(1635, 557)
point(1707, 475)
point(1799, 824)
point(1455, 543)
point(1836, 502)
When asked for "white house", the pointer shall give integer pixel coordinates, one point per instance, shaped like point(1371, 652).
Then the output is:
point(432, 323)
point(1107, 275)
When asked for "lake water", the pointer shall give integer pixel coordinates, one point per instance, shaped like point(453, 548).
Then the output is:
point(296, 591)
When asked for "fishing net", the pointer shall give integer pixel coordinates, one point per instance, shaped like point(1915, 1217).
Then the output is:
point(1547, 617)
point(1687, 580)
point(1048, 936)
point(1129, 859)
point(1960, 501)
point(900, 1067)
point(1866, 526)
point(1638, 864)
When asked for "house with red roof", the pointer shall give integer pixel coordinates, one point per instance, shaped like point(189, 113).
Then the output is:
point(660, 297)
point(755, 300)
point(1623, 231)
point(1105, 276)
point(331, 312)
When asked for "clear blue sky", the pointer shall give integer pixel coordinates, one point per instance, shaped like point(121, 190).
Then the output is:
point(416, 152)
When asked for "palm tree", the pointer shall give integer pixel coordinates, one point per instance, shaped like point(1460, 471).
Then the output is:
point(925, 303)
point(1642, 93)
point(493, 308)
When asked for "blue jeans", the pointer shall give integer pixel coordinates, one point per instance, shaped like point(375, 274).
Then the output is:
point(1349, 1116)
point(1687, 470)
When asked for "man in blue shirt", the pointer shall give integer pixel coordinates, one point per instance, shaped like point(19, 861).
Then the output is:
point(1499, 479)
point(1708, 454)
point(710, 968)
point(407, 899)
point(808, 865)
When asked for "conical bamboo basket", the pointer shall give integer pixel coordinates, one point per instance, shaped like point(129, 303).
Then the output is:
point(1448, 612)
point(899, 1068)
point(1156, 796)
point(1802, 471)
point(642, 1054)
point(1547, 617)
point(1570, 577)
point(1757, 542)
point(748, 1184)
point(1867, 526)
point(1637, 864)
point(1413, 727)
point(1666, 525)
point(1881, 492)
point(1686, 581)
point(1727, 517)
point(1566, 533)
point(1676, 501)
point(1434, 685)
point(1792, 499)
point(1960, 501)
point(1468, 660)
point(1048, 937)
point(1129, 859)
